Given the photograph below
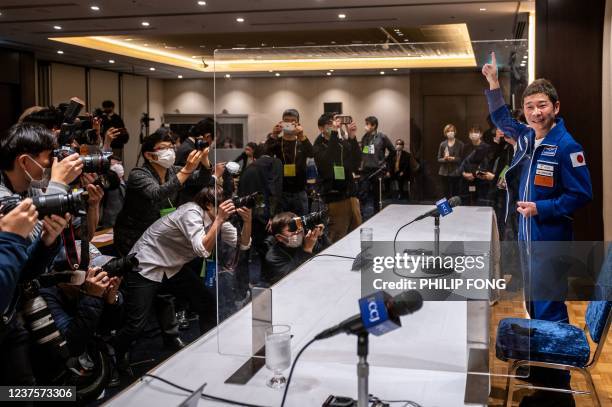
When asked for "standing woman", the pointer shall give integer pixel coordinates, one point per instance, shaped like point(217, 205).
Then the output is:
point(450, 155)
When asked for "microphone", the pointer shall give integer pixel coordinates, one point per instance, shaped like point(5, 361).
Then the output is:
point(379, 314)
point(76, 277)
point(443, 208)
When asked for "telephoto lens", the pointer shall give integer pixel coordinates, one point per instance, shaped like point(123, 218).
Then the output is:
point(248, 201)
point(96, 163)
point(201, 144)
point(60, 204)
point(309, 221)
point(120, 266)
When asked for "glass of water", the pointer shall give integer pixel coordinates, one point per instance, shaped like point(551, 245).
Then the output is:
point(278, 354)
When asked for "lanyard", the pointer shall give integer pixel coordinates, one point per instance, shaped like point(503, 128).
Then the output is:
point(283, 152)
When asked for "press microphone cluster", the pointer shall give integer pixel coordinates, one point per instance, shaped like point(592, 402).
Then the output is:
point(379, 314)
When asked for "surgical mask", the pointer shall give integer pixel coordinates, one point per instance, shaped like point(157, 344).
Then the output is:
point(450, 134)
point(399, 147)
point(118, 169)
point(474, 136)
point(295, 241)
point(367, 129)
point(46, 176)
point(165, 158)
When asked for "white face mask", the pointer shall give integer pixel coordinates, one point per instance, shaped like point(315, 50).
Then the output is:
point(46, 176)
point(450, 134)
point(295, 240)
point(399, 147)
point(165, 158)
point(118, 169)
point(474, 136)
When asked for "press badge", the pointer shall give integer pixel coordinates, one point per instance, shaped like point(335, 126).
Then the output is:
point(472, 188)
point(339, 173)
point(368, 149)
point(544, 180)
point(289, 170)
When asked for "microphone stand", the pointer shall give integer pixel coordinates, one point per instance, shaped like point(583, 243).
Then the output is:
point(363, 370)
point(380, 177)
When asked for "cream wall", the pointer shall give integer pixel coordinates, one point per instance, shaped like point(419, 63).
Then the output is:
point(264, 100)
point(66, 81)
point(103, 85)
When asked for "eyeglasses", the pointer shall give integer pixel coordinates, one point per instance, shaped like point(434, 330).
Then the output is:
point(165, 147)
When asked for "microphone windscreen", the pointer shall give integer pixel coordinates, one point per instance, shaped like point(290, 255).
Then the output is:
point(454, 201)
point(407, 302)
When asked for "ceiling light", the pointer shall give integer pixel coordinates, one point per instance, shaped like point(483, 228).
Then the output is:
point(145, 24)
point(328, 74)
point(95, 8)
point(151, 69)
point(57, 27)
point(201, 3)
point(483, 9)
point(228, 75)
point(395, 69)
point(277, 74)
point(111, 61)
point(525, 57)
point(382, 72)
point(180, 76)
point(60, 52)
point(342, 16)
point(331, 70)
point(194, 56)
point(145, 45)
point(270, 71)
point(240, 20)
point(129, 39)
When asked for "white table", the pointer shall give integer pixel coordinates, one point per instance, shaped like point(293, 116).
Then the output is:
point(424, 361)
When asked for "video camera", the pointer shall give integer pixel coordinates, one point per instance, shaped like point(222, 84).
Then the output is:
point(55, 204)
point(308, 222)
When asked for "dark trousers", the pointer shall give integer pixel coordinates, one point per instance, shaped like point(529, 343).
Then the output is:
point(140, 295)
point(296, 202)
point(451, 186)
point(15, 365)
point(369, 194)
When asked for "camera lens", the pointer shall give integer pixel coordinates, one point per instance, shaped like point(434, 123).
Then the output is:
point(59, 204)
point(96, 164)
point(201, 144)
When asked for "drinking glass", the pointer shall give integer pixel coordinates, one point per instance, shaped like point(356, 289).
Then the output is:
point(278, 354)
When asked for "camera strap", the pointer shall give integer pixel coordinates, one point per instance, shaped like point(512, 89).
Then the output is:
point(75, 261)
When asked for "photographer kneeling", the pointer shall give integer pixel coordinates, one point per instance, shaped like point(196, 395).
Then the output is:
point(290, 248)
point(165, 247)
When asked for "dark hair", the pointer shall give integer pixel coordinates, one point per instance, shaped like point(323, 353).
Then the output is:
point(541, 86)
point(252, 145)
point(159, 136)
point(475, 129)
point(204, 126)
point(207, 196)
point(400, 141)
point(372, 120)
point(24, 138)
point(259, 150)
point(107, 104)
point(280, 221)
point(325, 118)
point(292, 113)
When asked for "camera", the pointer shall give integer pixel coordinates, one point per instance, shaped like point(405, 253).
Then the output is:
point(201, 144)
point(46, 205)
point(120, 266)
point(95, 163)
point(249, 201)
point(344, 119)
point(288, 128)
point(309, 221)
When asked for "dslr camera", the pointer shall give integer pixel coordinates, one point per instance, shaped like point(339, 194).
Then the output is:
point(74, 203)
point(200, 144)
point(93, 164)
point(249, 201)
point(309, 221)
point(120, 266)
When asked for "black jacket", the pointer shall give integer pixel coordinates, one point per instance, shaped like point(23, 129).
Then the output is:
point(264, 175)
point(282, 260)
point(329, 153)
point(404, 165)
point(116, 122)
point(145, 197)
point(287, 152)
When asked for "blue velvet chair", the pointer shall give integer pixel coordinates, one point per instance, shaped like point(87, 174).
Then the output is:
point(556, 345)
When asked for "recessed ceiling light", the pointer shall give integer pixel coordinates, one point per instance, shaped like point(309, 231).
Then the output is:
point(194, 56)
point(342, 16)
point(240, 20)
point(328, 73)
point(270, 71)
point(151, 69)
point(395, 69)
point(145, 24)
point(201, 3)
point(57, 27)
point(382, 72)
point(146, 45)
point(180, 76)
point(483, 9)
point(228, 75)
point(331, 70)
point(129, 39)
point(277, 74)
point(111, 61)
point(60, 52)
point(95, 8)
point(525, 57)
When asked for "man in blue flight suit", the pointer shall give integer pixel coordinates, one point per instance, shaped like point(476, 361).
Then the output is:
point(554, 182)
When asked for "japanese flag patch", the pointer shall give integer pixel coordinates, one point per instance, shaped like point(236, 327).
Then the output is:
point(578, 159)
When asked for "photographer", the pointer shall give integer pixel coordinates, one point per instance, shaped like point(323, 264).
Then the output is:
point(247, 156)
point(290, 249)
point(171, 243)
point(112, 122)
point(289, 143)
point(336, 161)
point(152, 190)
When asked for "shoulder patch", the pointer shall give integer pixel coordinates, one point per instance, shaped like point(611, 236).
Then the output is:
point(578, 159)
